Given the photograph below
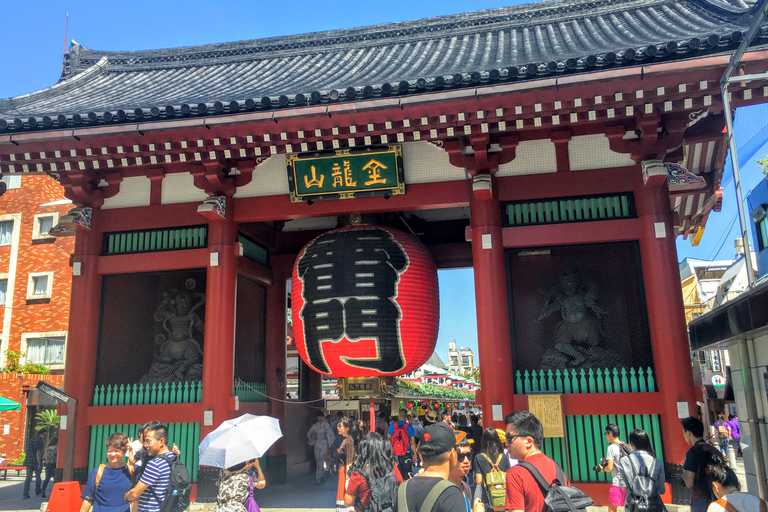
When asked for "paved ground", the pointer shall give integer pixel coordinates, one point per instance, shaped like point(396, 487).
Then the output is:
point(300, 495)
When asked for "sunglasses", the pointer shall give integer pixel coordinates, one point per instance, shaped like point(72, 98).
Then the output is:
point(463, 456)
point(511, 438)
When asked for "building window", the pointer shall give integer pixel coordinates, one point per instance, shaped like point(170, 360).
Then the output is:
point(762, 233)
point(3, 290)
point(43, 224)
point(39, 285)
point(465, 361)
point(6, 232)
point(12, 181)
point(46, 351)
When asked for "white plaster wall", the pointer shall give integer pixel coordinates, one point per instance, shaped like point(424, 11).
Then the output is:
point(270, 178)
point(134, 192)
point(423, 162)
point(594, 152)
point(179, 187)
point(531, 157)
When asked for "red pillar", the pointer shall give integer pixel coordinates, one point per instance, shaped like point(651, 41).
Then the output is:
point(491, 300)
point(219, 346)
point(83, 338)
point(666, 316)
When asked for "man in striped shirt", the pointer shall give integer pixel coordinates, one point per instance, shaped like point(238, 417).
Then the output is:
point(151, 487)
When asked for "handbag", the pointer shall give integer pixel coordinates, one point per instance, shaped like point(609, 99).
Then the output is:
point(250, 503)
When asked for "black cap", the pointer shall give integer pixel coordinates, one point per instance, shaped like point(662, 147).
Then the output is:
point(436, 439)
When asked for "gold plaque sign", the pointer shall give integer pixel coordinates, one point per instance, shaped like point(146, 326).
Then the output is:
point(549, 410)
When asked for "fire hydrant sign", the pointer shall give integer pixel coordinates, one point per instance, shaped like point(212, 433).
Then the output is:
point(347, 173)
point(549, 410)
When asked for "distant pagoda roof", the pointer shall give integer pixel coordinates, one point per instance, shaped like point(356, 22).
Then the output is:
point(525, 42)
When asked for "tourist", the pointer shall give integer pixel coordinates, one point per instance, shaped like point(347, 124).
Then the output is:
point(235, 485)
point(525, 435)
point(446, 415)
point(722, 431)
point(431, 417)
point(375, 461)
point(321, 438)
point(697, 458)
point(491, 456)
point(382, 425)
point(108, 484)
point(459, 473)
point(157, 472)
point(727, 489)
point(642, 463)
point(137, 453)
point(440, 459)
point(33, 461)
point(735, 435)
point(345, 456)
point(401, 436)
point(477, 431)
point(617, 494)
point(51, 454)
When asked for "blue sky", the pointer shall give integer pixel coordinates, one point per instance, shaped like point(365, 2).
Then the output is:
point(34, 42)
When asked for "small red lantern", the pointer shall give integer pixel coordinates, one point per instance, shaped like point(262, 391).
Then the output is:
point(436, 406)
point(365, 302)
point(409, 405)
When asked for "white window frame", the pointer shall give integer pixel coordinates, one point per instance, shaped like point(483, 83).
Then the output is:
point(36, 235)
point(31, 295)
point(6, 278)
point(25, 337)
point(14, 223)
point(12, 181)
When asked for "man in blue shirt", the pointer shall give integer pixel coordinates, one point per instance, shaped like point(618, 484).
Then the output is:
point(34, 463)
point(403, 443)
point(151, 487)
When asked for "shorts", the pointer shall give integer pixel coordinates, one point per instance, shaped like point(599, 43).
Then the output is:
point(617, 495)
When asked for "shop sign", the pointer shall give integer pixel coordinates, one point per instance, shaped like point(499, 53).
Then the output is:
point(355, 387)
point(548, 408)
point(718, 381)
point(346, 173)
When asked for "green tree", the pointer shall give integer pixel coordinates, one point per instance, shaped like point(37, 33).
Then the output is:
point(48, 419)
point(12, 364)
point(762, 163)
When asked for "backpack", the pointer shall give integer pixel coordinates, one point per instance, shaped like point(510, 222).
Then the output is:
point(400, 439)
point(559, 497)
point(642, 490)
point(496, 484)
point(429, 501)
point(177, 493)
point(383, 491)
point(721, 431)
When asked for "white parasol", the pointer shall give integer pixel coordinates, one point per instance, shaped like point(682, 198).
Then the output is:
point(238, 440)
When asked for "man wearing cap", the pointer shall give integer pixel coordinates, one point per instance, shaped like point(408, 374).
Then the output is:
point(432, 490)
point(525, 435)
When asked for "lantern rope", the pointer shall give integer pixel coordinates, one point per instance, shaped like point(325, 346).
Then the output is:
point(295, 402)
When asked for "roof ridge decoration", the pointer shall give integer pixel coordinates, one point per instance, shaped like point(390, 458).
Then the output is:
point(528, 42)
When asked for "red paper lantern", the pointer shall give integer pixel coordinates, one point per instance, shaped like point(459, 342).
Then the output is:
point(365, 302)
point(410, 405)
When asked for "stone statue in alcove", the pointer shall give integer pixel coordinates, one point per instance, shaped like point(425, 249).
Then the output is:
point(579, 334)
point(179, 356)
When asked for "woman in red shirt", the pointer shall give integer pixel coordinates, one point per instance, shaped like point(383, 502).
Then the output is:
point(375, 460)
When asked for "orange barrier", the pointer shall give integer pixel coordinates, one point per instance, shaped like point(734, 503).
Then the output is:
point(65, 497)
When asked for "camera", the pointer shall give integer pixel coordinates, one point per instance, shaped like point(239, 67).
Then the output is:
point(599, 468)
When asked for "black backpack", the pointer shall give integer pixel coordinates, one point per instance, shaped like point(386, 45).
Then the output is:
point(642, 490)
point(179, 488)
point(383, 491)
point(559, 497)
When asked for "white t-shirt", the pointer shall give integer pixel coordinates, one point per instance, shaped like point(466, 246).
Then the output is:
point(742, 501)
point(614, 453)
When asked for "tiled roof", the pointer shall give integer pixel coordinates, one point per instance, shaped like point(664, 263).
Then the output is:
point(473, 49)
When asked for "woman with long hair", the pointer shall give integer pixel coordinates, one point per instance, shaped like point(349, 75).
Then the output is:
point(108, 483)
point(375, 460)
point(345, 456)
point(643, 473)
point(490, 458)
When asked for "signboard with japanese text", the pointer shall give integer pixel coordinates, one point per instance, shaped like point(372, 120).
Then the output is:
point(346, 173)
point(355, 387)
point(549, 410)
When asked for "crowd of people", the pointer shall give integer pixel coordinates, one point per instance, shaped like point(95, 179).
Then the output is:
point(450, 464)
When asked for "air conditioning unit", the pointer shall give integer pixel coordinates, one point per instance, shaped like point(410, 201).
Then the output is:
point(758, 213)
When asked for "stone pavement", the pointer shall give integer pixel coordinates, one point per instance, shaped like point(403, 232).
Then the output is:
point(298, 495)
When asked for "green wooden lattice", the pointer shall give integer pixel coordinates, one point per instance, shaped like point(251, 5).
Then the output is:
point(571, 209)
point(601, 380)
point(148, 394)
point(250, 391)
point(155, 240)
point(185, 435)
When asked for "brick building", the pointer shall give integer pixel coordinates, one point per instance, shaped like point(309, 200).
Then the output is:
point(35, 284)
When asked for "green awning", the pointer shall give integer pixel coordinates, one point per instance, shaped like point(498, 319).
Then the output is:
point(8, 405)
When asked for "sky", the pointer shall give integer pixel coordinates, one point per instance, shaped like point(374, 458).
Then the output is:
point(34, 35)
